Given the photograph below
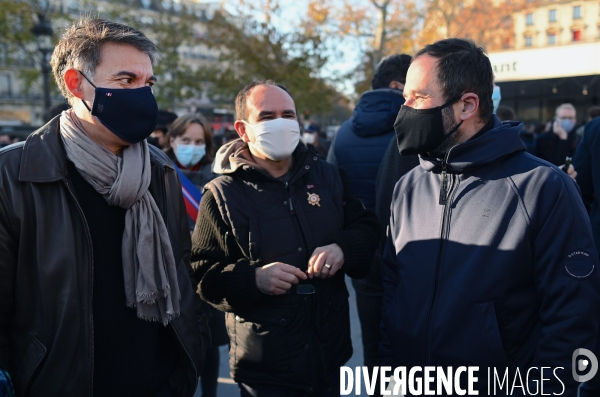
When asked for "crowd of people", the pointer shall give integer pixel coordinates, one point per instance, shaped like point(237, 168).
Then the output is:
point(134, 242)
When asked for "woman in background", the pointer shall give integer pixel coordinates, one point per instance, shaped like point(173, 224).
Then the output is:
point(191, 150)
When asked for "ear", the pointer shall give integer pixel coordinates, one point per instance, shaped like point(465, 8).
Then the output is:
point(74, 81)
point(470, 106)
point(396, 85)
point(172, 143)
point(240, 128)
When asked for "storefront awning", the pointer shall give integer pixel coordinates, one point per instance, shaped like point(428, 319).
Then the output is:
point(581, 59)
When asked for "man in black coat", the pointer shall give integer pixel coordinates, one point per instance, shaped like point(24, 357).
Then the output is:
point(96, 294)
point(275, 236)
point(561, 141)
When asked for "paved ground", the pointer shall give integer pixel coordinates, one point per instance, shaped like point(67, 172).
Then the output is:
point(227, 388)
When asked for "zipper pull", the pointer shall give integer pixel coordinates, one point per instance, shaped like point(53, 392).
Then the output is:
point(444, 183)
point(291, 206)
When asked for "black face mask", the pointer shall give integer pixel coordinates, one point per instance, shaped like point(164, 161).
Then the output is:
point(419, 131)
point(131, 114)
point(153, 141)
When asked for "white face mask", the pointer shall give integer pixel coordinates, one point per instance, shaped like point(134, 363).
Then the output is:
point(308, 138)
point(275, 139)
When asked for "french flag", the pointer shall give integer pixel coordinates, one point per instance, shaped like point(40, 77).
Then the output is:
point(191, 195)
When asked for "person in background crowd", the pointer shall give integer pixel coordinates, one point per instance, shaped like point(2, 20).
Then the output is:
point(592, 113)
point(312, 139)
point(159, 136)
point(96, 293)
point(587, 163)
point(56, 110)
point(191, 149)
point(358, 148)
point(561, 141)
point(528, 137)
point(276, 234)
point(4, 140)
point(489, 259)
point(505, 113)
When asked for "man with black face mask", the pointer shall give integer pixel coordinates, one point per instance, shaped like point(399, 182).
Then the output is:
point(489, 259)
point(96, 293)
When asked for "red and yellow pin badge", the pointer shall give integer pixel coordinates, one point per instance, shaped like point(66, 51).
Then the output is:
point(314, 199)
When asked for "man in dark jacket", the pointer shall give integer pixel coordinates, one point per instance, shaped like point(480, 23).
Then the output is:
point(96, 295)
point(358, 147)
point(361, 141)
point(489, 259)
point(587, 164)
point(275, 236)
point(561, 141)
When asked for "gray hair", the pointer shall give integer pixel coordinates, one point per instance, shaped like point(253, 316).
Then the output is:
point(565, 106)
point(81, 45)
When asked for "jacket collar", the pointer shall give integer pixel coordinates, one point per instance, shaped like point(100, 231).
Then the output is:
point(44, 158)
point(234, 157)
point(502, 140)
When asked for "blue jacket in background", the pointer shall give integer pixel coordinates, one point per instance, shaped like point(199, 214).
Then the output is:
point(503, 275)
point(361, 141)
point(587, 164)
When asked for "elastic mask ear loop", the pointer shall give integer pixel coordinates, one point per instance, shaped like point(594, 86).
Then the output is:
point(447, 104)
point(92, 84)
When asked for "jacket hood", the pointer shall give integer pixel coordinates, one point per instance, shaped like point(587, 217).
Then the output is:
point(236, 155)
point(231, 156)
point(376, 112)
point(502, 140)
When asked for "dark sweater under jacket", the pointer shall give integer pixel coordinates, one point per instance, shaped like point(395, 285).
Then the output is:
point(132, 357)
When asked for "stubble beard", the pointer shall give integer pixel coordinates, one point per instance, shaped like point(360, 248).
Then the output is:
point(452, 139)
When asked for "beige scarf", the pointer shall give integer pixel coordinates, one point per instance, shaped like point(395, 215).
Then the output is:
point(148, 264)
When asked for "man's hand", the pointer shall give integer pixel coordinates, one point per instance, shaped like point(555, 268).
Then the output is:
point(570, 171)
point(276, 278)
point(331, 255)
point(558, 130)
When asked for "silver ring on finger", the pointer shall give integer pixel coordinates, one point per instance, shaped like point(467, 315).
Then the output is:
point(328, 266)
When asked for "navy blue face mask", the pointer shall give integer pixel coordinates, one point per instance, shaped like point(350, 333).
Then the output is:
point(131, 114)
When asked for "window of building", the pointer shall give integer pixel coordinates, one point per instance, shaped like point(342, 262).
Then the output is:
point(577, 12)
point(576, 35)
point(529, 19)
point(551, 38)
point(552, 16)
point(528, 41)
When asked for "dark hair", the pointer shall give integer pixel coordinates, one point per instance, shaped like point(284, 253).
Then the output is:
point(391, 68)
point(505, 113)
point(242, 97)
point(181, 124)
point(81, 45)
point(463, 67)
point(593, 112)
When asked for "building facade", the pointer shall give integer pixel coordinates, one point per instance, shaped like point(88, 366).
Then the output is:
point(554, 57)
point(22, 107)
